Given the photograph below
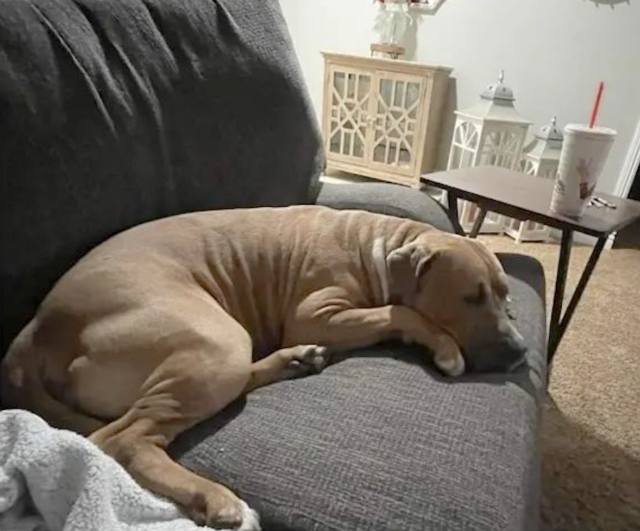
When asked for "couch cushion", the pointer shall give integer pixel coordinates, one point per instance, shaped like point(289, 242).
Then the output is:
point(385, 198)
point(380, 442)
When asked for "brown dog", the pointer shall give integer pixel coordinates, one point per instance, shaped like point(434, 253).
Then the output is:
point(154, 330)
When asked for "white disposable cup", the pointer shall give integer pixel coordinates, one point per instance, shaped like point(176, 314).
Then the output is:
point(584, 152)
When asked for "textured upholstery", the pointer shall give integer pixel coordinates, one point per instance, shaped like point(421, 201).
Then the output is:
point(379, 441)
point(115, 112)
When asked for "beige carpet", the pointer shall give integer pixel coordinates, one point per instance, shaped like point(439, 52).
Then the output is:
point(591, 424)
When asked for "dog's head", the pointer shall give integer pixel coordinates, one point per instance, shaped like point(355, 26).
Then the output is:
point(460, 286)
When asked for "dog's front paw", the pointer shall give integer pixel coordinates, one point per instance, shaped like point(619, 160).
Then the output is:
point(223, 511)
point(451, 366)
point(307, 359)
point(250, 519)
point(449, 359)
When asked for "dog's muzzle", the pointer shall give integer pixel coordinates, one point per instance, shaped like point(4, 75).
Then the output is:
point(506, 353)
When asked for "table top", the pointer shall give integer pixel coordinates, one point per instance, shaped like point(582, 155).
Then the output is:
point(527, 197)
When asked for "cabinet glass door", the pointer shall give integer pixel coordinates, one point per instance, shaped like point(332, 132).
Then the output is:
point(396, 117)
point(349, 100)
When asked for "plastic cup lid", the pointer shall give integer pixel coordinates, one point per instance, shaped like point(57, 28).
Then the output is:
point(595, 131)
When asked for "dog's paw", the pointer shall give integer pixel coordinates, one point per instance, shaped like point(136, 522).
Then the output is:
point(308, 359)
point(223, 512)
point(250, 519)
point(454, 366)
point(448, 357)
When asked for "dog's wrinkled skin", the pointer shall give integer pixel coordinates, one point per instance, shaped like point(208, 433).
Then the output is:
point(155, 329)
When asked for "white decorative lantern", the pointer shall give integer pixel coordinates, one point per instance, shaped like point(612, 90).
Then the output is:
point(542, 161)
point(491, 133)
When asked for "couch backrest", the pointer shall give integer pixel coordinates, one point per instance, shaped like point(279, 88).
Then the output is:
point(115, 112)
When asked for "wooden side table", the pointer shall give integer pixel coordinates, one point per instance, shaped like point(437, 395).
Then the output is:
point(525, 197)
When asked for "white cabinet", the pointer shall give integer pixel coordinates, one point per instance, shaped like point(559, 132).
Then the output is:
point(381, 117)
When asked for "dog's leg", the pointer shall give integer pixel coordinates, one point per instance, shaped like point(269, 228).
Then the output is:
point(188, 387)
point(350, 328)
point(288, 363)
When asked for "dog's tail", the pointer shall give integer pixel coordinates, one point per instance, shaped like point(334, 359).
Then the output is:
point(22, 387)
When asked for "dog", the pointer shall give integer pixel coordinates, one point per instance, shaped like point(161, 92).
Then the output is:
point(158, 328)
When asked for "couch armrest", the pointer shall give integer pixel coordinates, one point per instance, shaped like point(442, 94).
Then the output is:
point(391, 199)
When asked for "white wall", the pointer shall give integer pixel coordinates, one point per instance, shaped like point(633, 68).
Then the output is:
point(554, 53)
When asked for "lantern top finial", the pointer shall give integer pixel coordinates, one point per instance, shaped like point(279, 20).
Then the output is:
point(498, 92)
point(551, 132)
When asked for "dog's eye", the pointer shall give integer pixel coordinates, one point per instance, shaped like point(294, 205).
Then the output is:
point(478, 298)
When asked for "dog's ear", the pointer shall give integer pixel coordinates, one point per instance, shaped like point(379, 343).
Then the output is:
point(406, 266)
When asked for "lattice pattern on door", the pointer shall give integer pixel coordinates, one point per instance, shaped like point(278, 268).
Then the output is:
point(350, 94)
point(396, 116)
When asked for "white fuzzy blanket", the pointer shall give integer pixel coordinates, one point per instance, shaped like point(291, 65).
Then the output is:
point(71, 484)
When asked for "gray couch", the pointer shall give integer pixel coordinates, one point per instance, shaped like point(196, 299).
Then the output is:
point(116, 112)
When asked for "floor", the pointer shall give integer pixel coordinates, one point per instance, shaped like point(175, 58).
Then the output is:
point(591, 423)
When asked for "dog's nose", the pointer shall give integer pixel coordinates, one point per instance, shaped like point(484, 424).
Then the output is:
point(514, 351)
point(516, 346)
point(511, 340)
point(506, 352)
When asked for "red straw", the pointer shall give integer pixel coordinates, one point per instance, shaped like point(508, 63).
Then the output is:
point(596, 105)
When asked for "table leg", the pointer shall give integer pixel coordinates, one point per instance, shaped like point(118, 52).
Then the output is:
point(454, 216)
point(561, 326)
point(477, 224)
point(558, 295)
